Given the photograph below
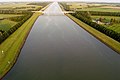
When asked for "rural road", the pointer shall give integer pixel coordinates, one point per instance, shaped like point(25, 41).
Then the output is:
point(58, 49)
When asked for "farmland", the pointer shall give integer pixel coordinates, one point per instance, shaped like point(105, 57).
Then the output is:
point(8, 15)
point(23, 6)
point(107, 19)
point(100, 9)
point(93, 7)
point(5, 23)
point(19, 6)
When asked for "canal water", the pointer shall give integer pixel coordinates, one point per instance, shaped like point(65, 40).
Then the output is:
point(58, 49)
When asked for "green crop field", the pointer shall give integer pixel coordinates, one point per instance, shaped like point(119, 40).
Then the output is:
point(93, 7)
point(100, 9)
point(19, 6)
point(114, 26)
point(16, 5)
point(8, 15)
point(6, 24)
point(108, 18)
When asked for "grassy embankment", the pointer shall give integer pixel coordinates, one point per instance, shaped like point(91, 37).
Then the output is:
point(10, 48)
point(102, 37)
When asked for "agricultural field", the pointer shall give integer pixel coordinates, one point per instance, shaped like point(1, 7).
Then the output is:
point(14, 14)
point(93, 7)
point(106, 20)
point(23, 6)
point(115, 27)
point(75, 6)
point(19, 6)
point(100, 9)
point(8, 15)
point(5, 23)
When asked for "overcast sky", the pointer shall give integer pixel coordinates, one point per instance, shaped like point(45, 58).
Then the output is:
point(63, 0)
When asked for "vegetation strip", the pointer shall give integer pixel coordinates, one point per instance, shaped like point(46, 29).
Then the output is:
point(10, 48)
point(102, 37)
point(85, 17)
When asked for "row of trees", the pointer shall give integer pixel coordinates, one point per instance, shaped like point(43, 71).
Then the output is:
point(105, 20)
point(100, 13)
point(24, 7)
point(12, 11)
point(17, 18)
point(83, 17)
point(113, 20)
point(37, 9)
point(5, 34)
point(40, 3)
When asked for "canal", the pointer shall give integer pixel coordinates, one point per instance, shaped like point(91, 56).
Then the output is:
point(59, 49)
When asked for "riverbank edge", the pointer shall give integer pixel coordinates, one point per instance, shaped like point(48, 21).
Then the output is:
point(113, 44)
point(20, 41)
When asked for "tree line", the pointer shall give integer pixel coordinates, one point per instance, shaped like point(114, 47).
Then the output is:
point(43, 4)
point(17, 18)
point(12, 11)
point(6, 34)
point(84, 16)
point(100, 13)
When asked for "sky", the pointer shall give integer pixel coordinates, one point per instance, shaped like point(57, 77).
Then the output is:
point(116, 1)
